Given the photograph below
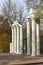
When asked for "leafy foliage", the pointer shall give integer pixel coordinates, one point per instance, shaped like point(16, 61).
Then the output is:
point(37, 4)
point(5, 37)
point(40, 11)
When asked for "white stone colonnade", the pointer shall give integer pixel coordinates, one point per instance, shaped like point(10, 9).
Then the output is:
point(16, 45)
point(33, 35)
point(35, 26)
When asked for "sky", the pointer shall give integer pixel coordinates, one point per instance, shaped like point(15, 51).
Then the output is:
point(20, 1)
point(1, 1)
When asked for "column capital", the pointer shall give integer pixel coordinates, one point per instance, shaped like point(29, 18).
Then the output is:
point(28, 19)
point(33, 18)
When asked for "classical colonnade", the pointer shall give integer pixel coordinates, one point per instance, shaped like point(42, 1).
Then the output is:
point(16, 45)
point(33, 35)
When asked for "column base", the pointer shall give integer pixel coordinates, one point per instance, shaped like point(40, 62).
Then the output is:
point(28, 54)
point(33, 55)
point(38, 54)
point(11, 48)
point(20, 53)
point(17, 52)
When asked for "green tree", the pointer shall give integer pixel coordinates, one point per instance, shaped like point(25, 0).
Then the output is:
point(5, 37)
point(36, 4)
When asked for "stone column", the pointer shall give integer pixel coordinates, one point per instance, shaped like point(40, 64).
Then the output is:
point(12, 39)
point(28, 36)
point(15, 38)
point(21, 41)
point(10, 47)
point(37, 39)
point(33, 37)
point(18, 40)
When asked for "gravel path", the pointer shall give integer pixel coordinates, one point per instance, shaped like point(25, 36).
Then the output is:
point(11, 59)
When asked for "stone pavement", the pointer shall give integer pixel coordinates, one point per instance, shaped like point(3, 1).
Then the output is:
point(13, 59)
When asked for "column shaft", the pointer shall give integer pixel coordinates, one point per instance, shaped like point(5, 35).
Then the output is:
point(18, 40)
point(10, 47)
point(33, 37)
point(21, 41)
point(28, 37)
point(15, 39)
point(12, 39)
point(37, 39)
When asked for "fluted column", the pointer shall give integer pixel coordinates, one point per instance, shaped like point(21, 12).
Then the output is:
point(15, 39)
point(33, 36)
point(18, 40)
point(11, 47)
point(21, 41)
point(12, 39)
point(28, 36)
point(37, 39)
